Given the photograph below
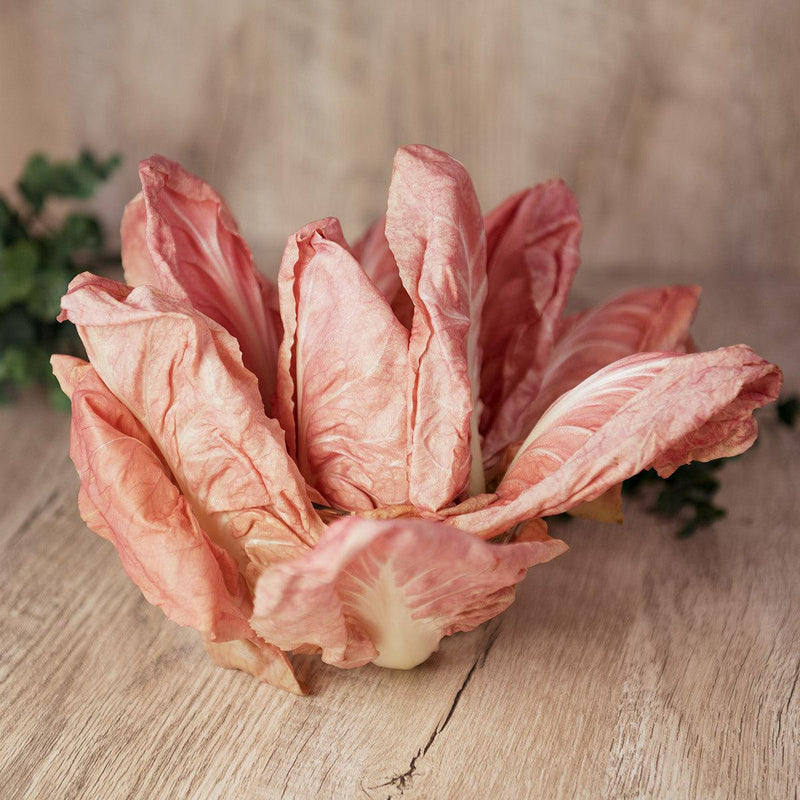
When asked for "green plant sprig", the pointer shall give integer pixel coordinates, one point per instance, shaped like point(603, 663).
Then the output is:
point(37, 261)
point(688, 494)
point(788, 410)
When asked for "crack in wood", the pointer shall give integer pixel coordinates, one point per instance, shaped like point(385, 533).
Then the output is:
point(297, 756)
point(402, 781)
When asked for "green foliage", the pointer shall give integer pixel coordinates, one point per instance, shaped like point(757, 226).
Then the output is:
point(43, 178)
point(788, 410)
point(11, 227)
point(687, 494)
point(18, 264)
point(37, 261)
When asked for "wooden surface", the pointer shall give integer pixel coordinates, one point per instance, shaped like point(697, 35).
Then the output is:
point(675, 121)
point(636, 665)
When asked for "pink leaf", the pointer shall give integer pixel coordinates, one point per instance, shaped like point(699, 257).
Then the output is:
point(348, 367)
point(181, 375)
point(69, 371)
point(532, 246)
point(644, 320)
point(130, 498)
point(292, 263)
point(261, 660)
point(137, 263)
point(435, 229)
point(376, 259)
point(387, 591)
point(197, 254)
point(647, 409)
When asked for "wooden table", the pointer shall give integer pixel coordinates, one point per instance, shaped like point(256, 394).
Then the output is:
point(636, 665)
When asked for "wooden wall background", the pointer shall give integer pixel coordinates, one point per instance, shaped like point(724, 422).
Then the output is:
point(675, 121)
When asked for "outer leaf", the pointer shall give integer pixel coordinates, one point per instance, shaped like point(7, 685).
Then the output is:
point(69, 372)
point(532, 241)
point(129, 497)
point(648, 409)
point(198, 254)
point(137, 263)
point(638, 321)
point(349, 364)
point(387, 591)
point(644, 320)
point(435, 229)
point(261, 660)
point(182, 377)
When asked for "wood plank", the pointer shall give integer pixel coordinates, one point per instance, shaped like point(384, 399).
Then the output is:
point(641, 665)
point(635, 665)
point(34, 455)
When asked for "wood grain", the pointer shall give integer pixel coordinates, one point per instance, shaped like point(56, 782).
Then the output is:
point(675, 121)
point(636, 665)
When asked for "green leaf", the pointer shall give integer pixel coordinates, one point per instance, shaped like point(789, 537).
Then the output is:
point(17, 329)
point(634, 485)
point(35, 268)
point(80, 232)
point(705, 514)
point(690, 489)
point(11, 227)
point(56, 396)
point(42, 178)
point(66, 340)
point(102, 169)
point(17, 366)
point(17, 272)
point(789, 410)
point(34, 185)
point(50, 285)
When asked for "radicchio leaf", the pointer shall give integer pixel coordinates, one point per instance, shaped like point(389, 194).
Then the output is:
point(293, 262)
point(648, 409)
point(387, 591)
point(129, 497)
point(377, 260)
point(435, 230)
point(261, 660)
point(644, 320)
point(532, 256)
point(195, 252)
point(181, 375)
point(348, 370)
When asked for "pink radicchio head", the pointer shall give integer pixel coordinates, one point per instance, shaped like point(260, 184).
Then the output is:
point(356, 462)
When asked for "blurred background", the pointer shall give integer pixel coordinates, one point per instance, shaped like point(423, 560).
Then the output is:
point(675, 121)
